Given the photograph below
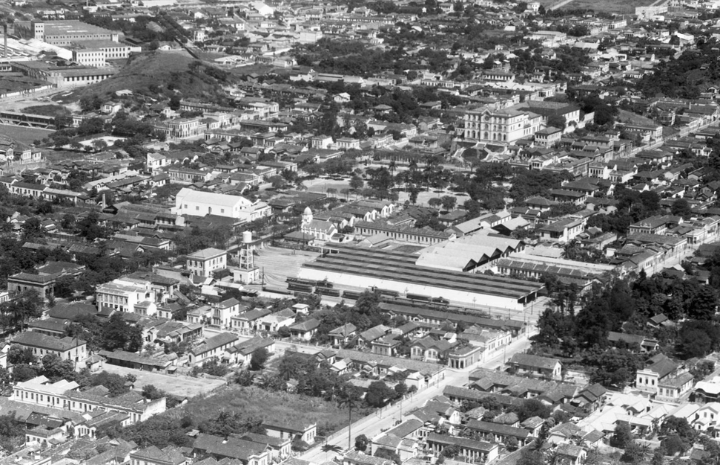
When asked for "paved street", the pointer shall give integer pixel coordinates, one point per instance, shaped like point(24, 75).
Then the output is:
point(374, 424)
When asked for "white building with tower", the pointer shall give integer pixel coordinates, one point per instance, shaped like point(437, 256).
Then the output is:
point(247, 273)
point(318, 229)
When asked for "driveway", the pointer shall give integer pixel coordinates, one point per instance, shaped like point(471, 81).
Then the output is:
point(177, 385)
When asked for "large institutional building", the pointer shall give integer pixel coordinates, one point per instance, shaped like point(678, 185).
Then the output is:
point(398, 272)
point(63, 32)
point(197, 203)
point(504, 126)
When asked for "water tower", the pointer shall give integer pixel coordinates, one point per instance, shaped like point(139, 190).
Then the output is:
point(248, 272)
point(245, 252)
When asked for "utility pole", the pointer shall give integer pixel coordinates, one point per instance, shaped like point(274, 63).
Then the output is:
point(349, 426)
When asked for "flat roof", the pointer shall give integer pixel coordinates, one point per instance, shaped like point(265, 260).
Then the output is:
point(399, 267)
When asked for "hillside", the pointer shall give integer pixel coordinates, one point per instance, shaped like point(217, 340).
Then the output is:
point(605, 6)
point(157, 68)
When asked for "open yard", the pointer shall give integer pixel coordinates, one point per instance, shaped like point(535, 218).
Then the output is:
point(23, 134)
point(180, 386)
point(278, 263)
point(280, 407)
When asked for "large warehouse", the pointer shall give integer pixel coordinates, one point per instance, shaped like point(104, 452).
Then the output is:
point(364, 268)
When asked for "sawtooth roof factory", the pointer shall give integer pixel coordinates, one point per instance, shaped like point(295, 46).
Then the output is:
point(398, 272)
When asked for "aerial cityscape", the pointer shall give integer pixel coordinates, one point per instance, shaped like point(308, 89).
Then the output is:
point(359, 232)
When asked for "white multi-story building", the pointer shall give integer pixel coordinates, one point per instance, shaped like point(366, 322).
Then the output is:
point(127, 295)
point(502, 126)
point(94, 58)
point(205, 262)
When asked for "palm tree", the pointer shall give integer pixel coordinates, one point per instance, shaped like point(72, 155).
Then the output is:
point(348, 396)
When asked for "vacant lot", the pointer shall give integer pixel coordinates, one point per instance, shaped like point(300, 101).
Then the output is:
point(23, 134)
point(180, 386)
point(278, 407)
point(278, 263)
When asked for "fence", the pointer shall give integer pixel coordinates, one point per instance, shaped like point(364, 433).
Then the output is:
point(376, 415)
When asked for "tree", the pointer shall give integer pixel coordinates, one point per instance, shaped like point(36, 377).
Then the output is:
point(361, 443)
point(448, 202)
point(378, 394)
point(55, 369)
point(26, 305)
point(681, 207)
point(673, 444)
point(694, 342)
point(24, 373)
point(17, 355)
point(278, 182)
point(557, 121)
point(68, 221)
point(150, 392)
point(435, 202)
point(115, 384)
point(258, 359)
point(531, 457)
point(244, 378)
point(532, 408)
point(633, 453)
point(704, 304)
point(118, 334)
point(356, 183)
point(512, 444)
point(622, 437)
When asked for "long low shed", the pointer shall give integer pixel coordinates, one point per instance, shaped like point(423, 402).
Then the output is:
point(398, 272)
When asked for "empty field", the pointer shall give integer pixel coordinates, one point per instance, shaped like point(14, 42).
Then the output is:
point(24, 134)
point(278, 263)
point(279, 407)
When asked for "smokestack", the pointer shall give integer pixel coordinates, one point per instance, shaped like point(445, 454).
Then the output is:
point(5, 40)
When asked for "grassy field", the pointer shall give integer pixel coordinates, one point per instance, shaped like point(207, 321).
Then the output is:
point(276, 406)
point(629, 117)
point(46, 110)
point(23, 134)
point(607, 6)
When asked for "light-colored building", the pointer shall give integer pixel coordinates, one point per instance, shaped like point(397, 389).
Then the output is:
point(64, 395)
point(127, 295)
point(196, 203)
point(504, 126)
point(205, 262)
point(89, 57)
point(212, 348)
point(66, 348)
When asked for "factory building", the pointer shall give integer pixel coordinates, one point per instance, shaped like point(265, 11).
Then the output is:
point(393, 271)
